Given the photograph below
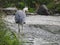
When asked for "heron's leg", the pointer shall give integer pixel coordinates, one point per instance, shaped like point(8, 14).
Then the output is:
point(22, 27)
point(18, 28)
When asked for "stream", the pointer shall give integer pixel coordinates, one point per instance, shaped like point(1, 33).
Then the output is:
point(38, 30)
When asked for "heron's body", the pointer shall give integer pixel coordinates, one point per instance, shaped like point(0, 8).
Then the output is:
point(20, 17)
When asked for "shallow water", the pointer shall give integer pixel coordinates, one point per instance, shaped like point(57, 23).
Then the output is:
point(37, 32)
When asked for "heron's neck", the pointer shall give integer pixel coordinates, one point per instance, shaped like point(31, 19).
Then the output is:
point(23, 10)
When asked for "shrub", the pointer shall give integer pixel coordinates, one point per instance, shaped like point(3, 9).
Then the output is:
point(21, 5)
point(58, 8)
point(31, 9)
point(7, 37)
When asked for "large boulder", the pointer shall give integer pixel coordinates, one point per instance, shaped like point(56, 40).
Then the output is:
point(43, 10)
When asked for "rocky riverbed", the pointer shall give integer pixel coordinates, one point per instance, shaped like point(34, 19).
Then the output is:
point(38, 30)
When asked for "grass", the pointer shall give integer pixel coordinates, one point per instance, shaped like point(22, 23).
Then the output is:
point(7, 37)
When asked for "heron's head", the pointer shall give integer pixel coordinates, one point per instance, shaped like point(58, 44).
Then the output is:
point(25, 9)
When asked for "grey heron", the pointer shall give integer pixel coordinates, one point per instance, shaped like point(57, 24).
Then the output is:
point(20, 18)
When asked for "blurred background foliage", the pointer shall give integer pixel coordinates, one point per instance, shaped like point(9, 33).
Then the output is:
point(33, 5)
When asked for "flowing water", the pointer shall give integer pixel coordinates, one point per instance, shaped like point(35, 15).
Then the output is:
point(38, 30)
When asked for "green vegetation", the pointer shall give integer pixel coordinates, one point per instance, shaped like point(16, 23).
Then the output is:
point(7, 37)
point(53, 5)
point(31, 10)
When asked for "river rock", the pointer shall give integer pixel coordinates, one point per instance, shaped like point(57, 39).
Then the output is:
point(43, 10)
